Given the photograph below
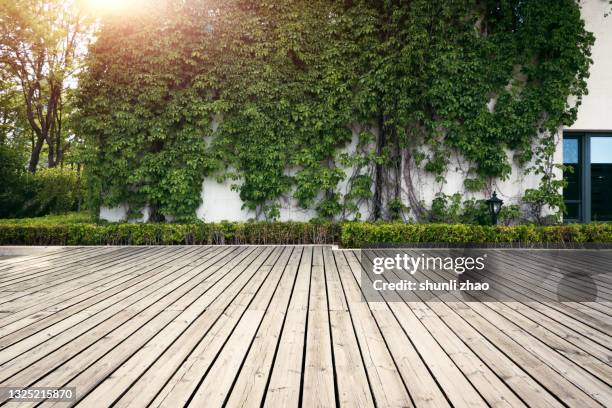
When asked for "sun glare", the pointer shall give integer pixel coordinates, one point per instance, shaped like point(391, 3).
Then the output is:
point(109, 6)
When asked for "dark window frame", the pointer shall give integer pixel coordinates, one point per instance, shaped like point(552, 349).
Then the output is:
point(585, 168)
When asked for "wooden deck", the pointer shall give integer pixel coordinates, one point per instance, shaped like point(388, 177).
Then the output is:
point(284, 327)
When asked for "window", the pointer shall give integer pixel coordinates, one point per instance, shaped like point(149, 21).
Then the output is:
point(601, 178)
point(572, 193)
point(588, 172)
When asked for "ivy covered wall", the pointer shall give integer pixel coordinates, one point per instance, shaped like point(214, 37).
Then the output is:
point(332, 109)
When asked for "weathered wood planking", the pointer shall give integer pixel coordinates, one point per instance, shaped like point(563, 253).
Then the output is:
point(287, 326)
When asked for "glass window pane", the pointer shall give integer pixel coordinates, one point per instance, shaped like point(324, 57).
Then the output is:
point(601, 149)
point(572, 212)
point(570, 151)
point(572, 193)
point(601, 178)
point(572, 176)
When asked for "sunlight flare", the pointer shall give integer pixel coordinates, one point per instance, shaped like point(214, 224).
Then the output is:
point(109, 6)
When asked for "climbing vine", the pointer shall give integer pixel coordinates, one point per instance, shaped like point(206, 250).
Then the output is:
point(336, 105)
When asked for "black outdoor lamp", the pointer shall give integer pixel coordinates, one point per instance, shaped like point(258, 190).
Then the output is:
point(495, 205)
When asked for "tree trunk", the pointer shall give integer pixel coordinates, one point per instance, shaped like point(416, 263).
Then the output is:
point(379, 170)
point(35, 157)
point(154, 214)
point(51, 155)
point(78, 184)
point(397, 161)
point(58, 152)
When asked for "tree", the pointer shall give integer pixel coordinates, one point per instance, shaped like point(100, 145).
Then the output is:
point(41, 42)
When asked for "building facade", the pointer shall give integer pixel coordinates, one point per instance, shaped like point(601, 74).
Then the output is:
point(585, 148)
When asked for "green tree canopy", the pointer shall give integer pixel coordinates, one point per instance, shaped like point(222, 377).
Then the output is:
point(41, 42)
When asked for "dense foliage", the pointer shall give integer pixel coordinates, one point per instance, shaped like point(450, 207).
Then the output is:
point(358, 235)
point(49, 191)
point(78, 231)
point(269, 94)
point(260, 233)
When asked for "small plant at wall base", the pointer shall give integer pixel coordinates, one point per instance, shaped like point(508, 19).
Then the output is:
point(548, 195)
point(269, 94)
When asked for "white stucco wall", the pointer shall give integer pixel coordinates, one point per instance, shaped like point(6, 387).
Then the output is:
point(220, 202)
point(119, 213)
point(595, 113)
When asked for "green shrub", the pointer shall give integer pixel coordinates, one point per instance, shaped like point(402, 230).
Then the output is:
point(49, 191)
point(59, 191)
point(52, 219)
point(448, 209)
point(229, 233)
point(11, 185)
point(357, 235)
point(52, 231)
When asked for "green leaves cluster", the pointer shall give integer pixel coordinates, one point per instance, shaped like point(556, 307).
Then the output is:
point(366, 234)
point(146, 106)
point(284, 82)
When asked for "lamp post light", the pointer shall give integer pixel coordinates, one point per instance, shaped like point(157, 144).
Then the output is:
point(495, 205)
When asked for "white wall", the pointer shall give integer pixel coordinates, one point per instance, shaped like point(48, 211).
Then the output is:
point(595, 113)
point(220, 202)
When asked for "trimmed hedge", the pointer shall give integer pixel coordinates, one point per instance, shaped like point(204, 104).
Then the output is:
point(349, 234)
point(171, 234)
point(357, 235)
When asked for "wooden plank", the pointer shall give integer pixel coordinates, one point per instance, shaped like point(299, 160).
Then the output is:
point(580, 332)
point(542, 289)
point(285, 381)
point(138, 331)
point(319, 388)
point(58, 334)
point(28, 278)
point(25, 323)
point(555, 383)
point(574, 310)
point(232, 325)
point(353, 387)
point(250, 385)
point(590, 384)
point(454, 384)
point(17, 266)
point(126, 367)
point(538, 277)
point(512, 374)
point(493, 392)
point(75, 286)
point(94, 278)
point(569, 261)
point(540, 334)
point(386, 382)
point(549, 378)
point(335, 294)
point(103, 336)
point(238, 325)
point(544, 317)
point(31, 259)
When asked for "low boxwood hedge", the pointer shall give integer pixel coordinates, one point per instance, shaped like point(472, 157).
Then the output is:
point(171, 234)
point(348, 234)
point(358, 235)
